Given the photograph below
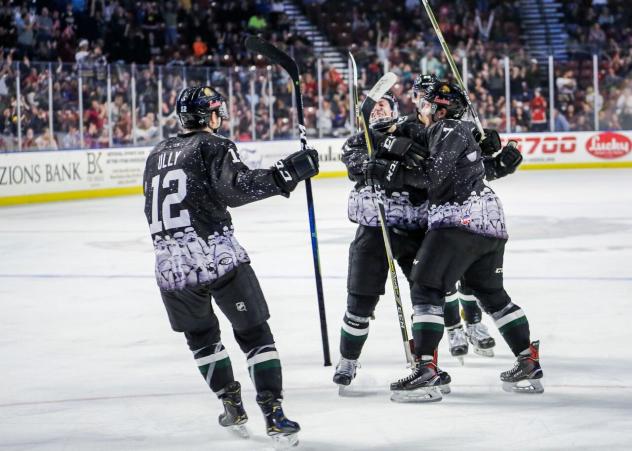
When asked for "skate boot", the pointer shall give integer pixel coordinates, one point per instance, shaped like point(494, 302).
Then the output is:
point(283, 431)
point(458, 343)
point(444, 381)
point(482, 342)
point(526, 374)
point(345, 373)
point(234, 416)
point(444, 377)
point(422, 385)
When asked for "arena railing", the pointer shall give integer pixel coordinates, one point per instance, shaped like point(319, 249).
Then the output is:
point(68, 106)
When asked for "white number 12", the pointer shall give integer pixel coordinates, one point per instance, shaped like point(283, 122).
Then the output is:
point(183, 219)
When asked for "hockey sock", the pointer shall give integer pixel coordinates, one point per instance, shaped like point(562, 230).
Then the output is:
point(451, 311)
point(427, 330)
point(513, 326)
point(471, 310)
point(353, 334)
point(264, 368)
point(214, 364)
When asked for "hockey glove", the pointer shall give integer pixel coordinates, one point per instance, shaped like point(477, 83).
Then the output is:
point(491, 144)
point(508, 160)
point(299, 166)
point(385, 173)
point(401, 149)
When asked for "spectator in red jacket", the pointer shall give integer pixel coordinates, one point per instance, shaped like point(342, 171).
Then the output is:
point(538, 107)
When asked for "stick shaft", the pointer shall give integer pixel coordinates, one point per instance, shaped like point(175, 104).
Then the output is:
point(455, 70)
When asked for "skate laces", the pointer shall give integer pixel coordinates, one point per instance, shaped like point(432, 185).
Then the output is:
point(347, 367)
point(416, 372)
point(478, 330)
point(457, 337)
point(523, 364)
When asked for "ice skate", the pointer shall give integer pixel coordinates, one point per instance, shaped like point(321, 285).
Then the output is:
point(282, 430)
point(234, 417)
point(526, 374)
point(458, 343)
point(482, 342)
point(344, 375)
point(444, 379)
point(423, 385)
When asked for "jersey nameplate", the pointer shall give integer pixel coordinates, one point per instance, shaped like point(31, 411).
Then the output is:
point(168, 159)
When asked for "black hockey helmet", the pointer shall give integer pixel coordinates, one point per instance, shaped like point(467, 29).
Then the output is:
point(447, 96)
point(384, 122)
point(195, 105)
point(423, 83)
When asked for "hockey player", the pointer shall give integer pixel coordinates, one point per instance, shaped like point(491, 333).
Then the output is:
point(406, 214)
point(189, 182)
point(368, 268)
point(466, 239)
point(475, 332)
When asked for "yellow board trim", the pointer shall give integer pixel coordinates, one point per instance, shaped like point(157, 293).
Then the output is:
point(70, 195)
point(331, 174)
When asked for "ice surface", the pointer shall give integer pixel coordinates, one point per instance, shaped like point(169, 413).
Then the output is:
point(88, 361)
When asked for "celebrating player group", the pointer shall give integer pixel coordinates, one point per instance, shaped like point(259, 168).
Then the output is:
point(420, 198)
point(446, 228)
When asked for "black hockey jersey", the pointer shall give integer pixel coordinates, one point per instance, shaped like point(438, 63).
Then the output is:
point(454, 176)
point(406, 209)
point(189, 182)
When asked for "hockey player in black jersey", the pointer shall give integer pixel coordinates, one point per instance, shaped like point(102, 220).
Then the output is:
point(466, 239)
point(189, 182)
point(406, 210)
point(461, 299)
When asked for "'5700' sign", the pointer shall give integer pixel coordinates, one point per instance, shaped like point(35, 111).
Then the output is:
point(606, 145)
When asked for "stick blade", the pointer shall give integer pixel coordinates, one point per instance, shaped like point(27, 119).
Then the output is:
point(377, 91)
point(382, 86)
point(258, 45)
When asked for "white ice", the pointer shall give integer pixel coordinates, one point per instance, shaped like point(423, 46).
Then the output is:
point(88, 360)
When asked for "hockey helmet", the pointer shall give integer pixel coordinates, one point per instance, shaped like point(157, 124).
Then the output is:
point(447, 96)
point(422, 84)
point(380, 119)
point(195, 105)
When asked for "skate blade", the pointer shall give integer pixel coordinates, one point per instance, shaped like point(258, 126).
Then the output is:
point(484, 352)
point(285, 441)
point(348, 391)
point(445, 389)
point(429, 394)
point(529, 386)
point(239, 430)
point(461, 360)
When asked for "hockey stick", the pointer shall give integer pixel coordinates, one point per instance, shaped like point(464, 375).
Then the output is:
point(381, 87)
point(455, 70)
point(281, 58)
point(354, 89)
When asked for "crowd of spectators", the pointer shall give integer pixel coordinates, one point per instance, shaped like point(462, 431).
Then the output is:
point(178, 42)
point(397, 35)
point(67, 51)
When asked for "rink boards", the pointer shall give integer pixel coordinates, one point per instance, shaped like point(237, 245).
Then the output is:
point(40, 176)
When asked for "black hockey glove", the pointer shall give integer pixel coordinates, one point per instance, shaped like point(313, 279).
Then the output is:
point(491, 144)
point(508, 160)
point(401, 149)
point(386, 173)
point(299, 166)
